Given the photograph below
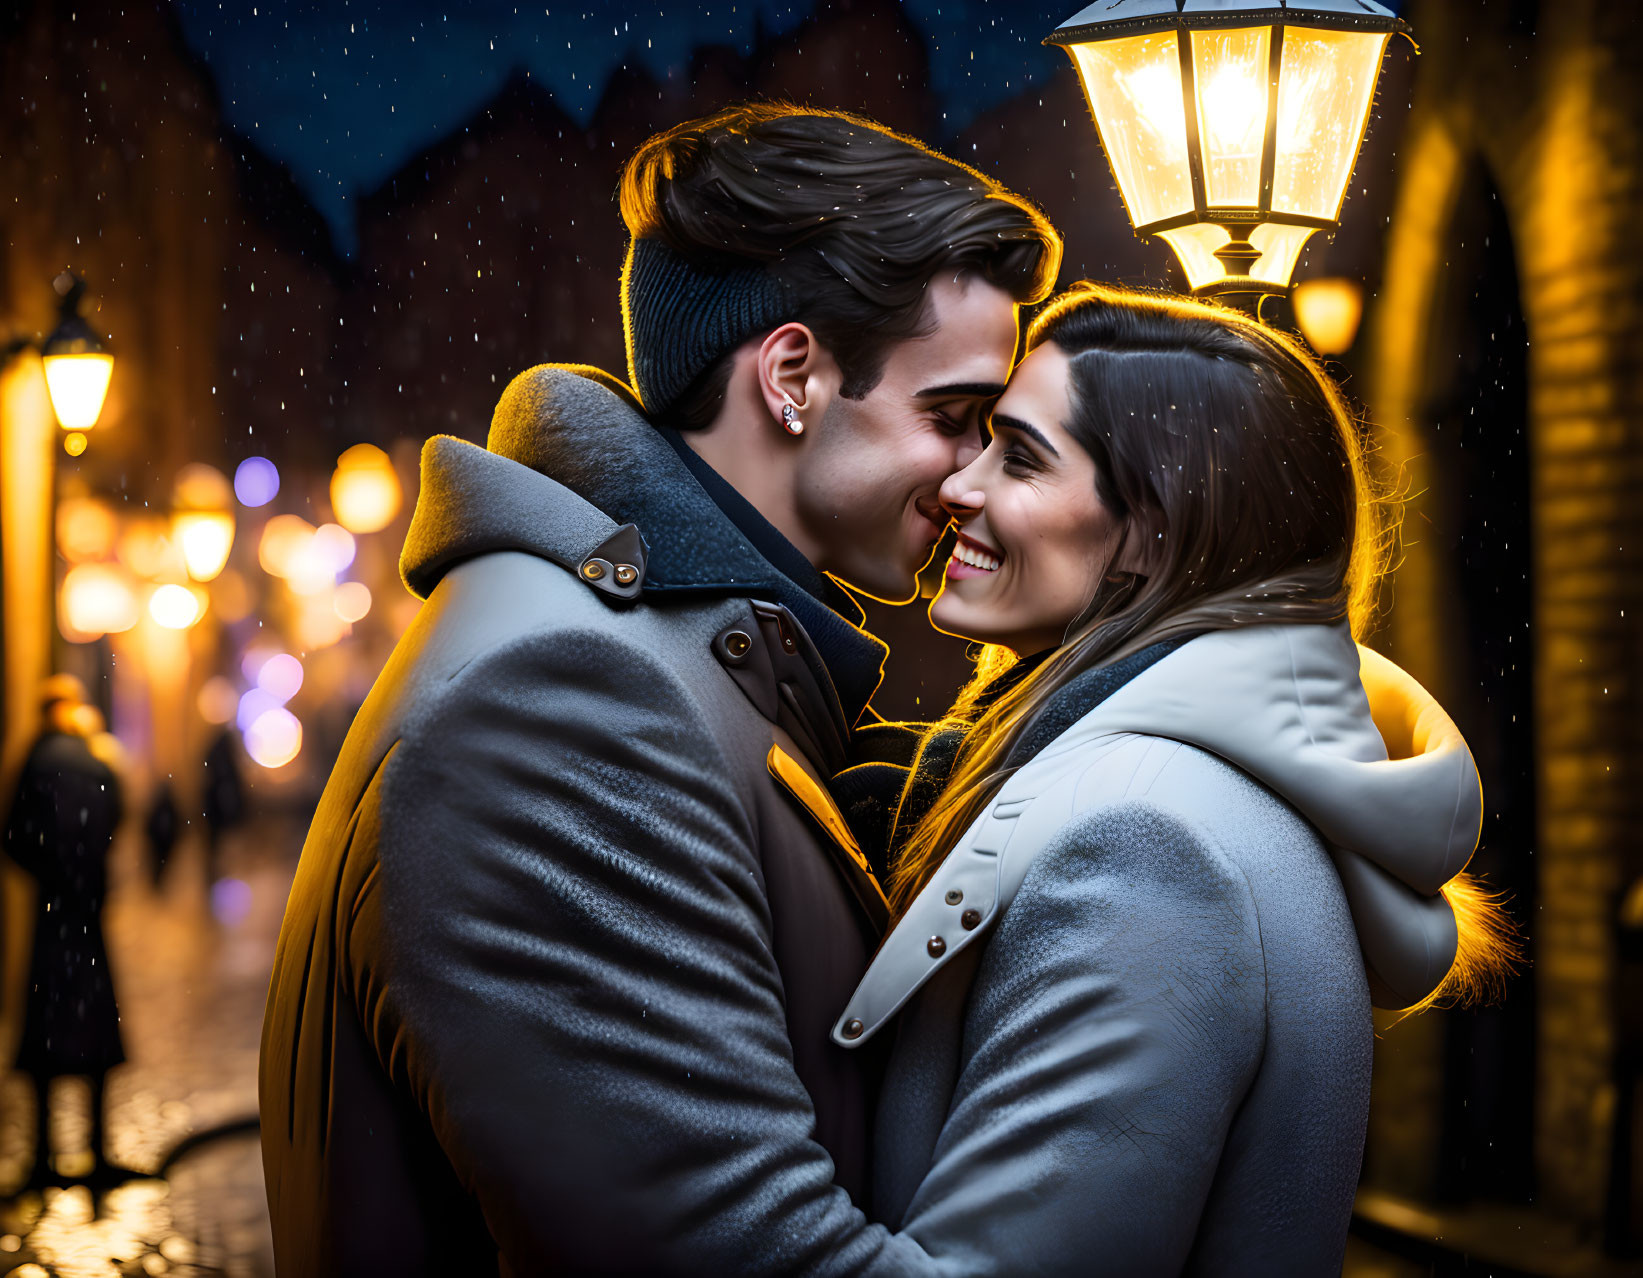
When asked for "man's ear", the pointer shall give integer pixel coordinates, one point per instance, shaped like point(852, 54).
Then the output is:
point(793, 367)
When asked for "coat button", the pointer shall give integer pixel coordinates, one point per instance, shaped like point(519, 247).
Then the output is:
point(593, 571)
point(737, 643)
point(971, 919)
point(853, 1029)
point(626, 574)
point(936, 947)
point(954, 896)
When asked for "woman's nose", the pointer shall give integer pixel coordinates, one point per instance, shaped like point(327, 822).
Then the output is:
point(960, 497)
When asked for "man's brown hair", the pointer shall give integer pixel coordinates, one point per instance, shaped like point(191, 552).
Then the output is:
point(850, 219)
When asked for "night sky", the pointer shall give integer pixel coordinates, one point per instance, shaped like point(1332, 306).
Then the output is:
point(343, 91)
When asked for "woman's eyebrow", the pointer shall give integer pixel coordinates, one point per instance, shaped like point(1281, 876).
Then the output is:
point(1030, 431)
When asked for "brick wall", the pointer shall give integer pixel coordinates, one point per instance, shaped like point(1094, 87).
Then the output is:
point(1555, 117)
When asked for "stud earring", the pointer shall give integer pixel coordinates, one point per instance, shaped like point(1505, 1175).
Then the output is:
point(790, 419)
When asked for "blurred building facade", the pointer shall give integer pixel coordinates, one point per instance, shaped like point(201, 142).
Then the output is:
point(1501, 366)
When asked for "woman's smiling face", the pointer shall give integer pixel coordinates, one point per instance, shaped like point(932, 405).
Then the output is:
point(1034, 538)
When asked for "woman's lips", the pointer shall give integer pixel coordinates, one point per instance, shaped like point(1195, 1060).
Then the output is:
point(972, 559)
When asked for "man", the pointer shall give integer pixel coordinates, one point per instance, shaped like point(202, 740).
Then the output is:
point(577, 909)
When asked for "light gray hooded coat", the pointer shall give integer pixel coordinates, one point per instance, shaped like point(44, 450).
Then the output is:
point(1134, 1030)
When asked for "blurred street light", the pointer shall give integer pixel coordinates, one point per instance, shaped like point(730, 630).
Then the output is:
point(1231, 129)
point(365, 492)
point(1327, 310)
point(202, 521)
point(98, 599)
point(176, 607)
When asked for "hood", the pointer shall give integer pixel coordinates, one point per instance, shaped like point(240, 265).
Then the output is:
point(1352, 742)
point(569, 447)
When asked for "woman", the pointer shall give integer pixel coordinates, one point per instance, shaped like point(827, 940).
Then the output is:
point(1137, 1031)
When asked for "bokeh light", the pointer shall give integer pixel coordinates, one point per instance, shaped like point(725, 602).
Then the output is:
point(352, 601)
point(274, 738)
point(206, 537)
point(74, 443)
point(176, 607)
point(284, 539)
point(365, 492)
point(230, 900)
point(280, 677)
point(253, 705)
point(334, 545)
point(256, 482)
point(218, 700)
point(86, 529)
point(97, 599)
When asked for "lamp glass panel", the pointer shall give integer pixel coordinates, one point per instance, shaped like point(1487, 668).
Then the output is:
point(1195, 245)
point(1232, 83)
point(1280, 246)
point(1324, 91)
point(77, 385)
point(1134, 89)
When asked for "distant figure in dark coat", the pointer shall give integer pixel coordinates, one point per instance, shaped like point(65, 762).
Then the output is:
point(224, 800)
point(161, 827)
point(59, 829)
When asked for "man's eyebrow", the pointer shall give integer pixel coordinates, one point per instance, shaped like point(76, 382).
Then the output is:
point(978, 390)
point(1030, 431)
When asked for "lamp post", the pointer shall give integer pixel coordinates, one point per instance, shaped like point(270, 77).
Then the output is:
point(1231, 125)
point(76, 364)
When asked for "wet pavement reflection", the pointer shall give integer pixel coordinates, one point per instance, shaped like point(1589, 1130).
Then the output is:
point(191, 963)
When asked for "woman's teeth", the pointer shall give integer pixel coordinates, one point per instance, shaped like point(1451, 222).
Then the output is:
point(976, 558)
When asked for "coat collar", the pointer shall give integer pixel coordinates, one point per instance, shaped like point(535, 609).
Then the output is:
point(583, 428)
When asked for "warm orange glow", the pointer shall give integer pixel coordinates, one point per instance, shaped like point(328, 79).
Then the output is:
point(231, 597)
point(202, 487)
point(96, 600)
point(206, 537)
point(284, 540)
point(1325, 86)
point(217, 700)
point(74, 443)
point(78, 384)
point(1280, 247)
point(1230, 77)
point(146, 548)
point(1327, 311)
point(86, 529)
point(365, 491)
point(176, 607)
point(1195, 245)
point(1134, 89)
point(352, 601)
point(1324, 95)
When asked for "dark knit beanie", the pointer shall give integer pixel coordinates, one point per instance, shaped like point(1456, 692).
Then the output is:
point(679, 318)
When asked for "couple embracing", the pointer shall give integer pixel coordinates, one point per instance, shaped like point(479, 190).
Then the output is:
point(628, 939)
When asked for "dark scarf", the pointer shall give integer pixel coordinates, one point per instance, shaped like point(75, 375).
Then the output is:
point(885, 802)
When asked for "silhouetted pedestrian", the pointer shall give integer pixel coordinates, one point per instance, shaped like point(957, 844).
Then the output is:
point(61, 823)
point(224, 796)
point(161, 829)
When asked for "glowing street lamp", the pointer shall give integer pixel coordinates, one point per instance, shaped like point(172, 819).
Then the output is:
point(202, 520)
point(1232, 128)
point(77, 362)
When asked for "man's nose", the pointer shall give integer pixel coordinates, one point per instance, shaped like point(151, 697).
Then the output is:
point(960, 497)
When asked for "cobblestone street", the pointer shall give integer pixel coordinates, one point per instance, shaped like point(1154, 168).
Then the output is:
point(191, 966)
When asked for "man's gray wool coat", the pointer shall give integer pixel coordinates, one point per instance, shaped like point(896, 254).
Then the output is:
point(575, 913)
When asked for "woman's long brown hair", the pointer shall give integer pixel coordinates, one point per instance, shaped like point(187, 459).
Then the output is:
point(1224, 442)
